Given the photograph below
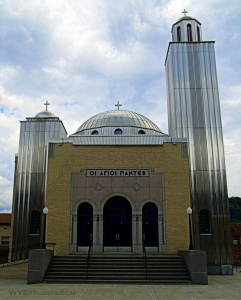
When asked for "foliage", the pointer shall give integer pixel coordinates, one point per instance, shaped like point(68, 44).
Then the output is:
point(235, 209)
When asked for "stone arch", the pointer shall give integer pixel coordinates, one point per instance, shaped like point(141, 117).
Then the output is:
point(106, 198)
point(77, 204)
point(158, 204)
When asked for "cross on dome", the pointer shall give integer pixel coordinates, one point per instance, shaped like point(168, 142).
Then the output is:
point(118, 105)
point(185, 12)
point(46, 105)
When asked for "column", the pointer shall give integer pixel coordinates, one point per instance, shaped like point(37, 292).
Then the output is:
point(138, 232)
point(98, 233)
point(73, 244)
point(161, 235)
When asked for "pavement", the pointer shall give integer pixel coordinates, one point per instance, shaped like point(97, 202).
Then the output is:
point(219, 287)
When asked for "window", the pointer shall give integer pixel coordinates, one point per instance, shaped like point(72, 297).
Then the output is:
point(237, 240)
point(189, 33)
point(5, 240)
point(204, 221)
point(118, 131)
point(95, 132)
point(34, 227)
point(179, 34)
point(141, 132)
point(198, 34)
point(184, 150)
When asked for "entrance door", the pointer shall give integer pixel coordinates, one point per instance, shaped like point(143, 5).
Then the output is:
point(117, 227)
point(150, 225)
point(85, 225)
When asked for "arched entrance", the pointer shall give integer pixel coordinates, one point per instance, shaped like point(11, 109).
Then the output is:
point(117, 224)
point(150, 225)
point(85, 225)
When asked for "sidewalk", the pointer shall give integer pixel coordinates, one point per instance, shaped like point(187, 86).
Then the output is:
point(220, 287)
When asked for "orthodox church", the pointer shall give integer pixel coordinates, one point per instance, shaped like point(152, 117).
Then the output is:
point(119, 182)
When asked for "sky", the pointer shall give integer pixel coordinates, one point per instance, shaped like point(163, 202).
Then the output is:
point(82, 56)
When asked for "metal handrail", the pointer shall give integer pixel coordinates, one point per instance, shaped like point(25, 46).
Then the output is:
point(145, 256)
point(88, 259)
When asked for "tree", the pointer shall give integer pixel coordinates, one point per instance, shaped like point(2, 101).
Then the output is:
point(235, 209)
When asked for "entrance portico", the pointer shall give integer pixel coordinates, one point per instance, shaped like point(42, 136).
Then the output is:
point(131, 214)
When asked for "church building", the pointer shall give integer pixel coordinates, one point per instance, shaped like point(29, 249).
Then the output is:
point(119, 182)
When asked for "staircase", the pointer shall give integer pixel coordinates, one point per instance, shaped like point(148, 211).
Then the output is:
point(165, 269)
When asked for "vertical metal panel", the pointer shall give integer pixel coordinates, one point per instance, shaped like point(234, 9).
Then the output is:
point(199, 113)
point(29, 183)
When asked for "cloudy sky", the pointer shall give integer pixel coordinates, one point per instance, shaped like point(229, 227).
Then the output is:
point(85, 55)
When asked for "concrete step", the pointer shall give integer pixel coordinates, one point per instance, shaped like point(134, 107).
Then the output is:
point(119, 268)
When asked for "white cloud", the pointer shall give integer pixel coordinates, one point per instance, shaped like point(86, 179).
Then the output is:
point(83, 56)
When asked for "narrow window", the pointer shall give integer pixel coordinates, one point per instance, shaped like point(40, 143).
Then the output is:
point(141, 132)
point(5, 240)
point(34, 227)
point(118, 131)
point(179, 34)
point(236, 240)
point(204, 221)
point(189, 33)
point(198, 34)
point(95, 132)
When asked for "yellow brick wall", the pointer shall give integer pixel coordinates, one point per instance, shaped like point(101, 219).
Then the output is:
point(5, 232)
point(14, 271)
point(166, 159)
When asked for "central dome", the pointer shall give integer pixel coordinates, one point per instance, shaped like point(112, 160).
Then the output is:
point(127, 122)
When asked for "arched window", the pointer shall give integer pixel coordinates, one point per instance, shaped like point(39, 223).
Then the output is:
point(204, 221)
point(198, 34)
point(85, 224)
point(95, 132)
point(141, 132)
point(34, 224)
point(189, 32)
point(179, 34)
point(150, 225)
point(118, 131)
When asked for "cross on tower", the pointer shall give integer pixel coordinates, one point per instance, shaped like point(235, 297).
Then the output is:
point(46, 105)
point(118, 105)
point(185, 12)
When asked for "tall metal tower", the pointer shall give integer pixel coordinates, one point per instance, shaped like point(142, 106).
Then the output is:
point(29, 180)
point(194, 112)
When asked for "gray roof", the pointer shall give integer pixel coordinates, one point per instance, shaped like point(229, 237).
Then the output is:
point(111, 119)
point(45, 114)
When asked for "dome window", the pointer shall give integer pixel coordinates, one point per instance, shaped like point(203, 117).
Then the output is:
point(95, 132)
point(179, 34)
point(189, 32)
point(141, 132)
point(118, 131)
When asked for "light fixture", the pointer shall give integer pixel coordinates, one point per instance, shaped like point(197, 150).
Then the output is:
point(189, 212)
point(45, 212)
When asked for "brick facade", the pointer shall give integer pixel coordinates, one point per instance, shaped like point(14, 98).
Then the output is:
point(69, 159)
point(236, 242)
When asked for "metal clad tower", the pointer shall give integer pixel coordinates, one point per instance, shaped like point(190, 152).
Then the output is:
point(194, 112)
point(29, 179)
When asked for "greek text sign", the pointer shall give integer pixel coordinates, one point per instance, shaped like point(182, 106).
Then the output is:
point(117, 172)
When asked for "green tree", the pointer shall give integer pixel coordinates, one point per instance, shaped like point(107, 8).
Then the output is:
point(235, 209)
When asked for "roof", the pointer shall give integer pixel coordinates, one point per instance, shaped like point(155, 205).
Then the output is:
point(45, 114)
point(118, 118)
point(5, 218)
point(186, 18)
